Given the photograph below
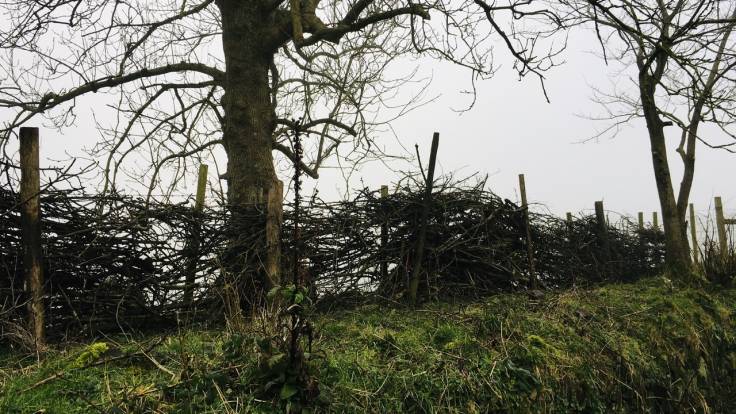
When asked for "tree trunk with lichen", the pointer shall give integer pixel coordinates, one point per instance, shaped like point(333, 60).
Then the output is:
point(252, 33)
point(247, 134)
point(677, 249)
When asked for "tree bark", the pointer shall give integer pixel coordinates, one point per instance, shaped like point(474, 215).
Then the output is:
point(247, 134)
point(677, 250)
point(687, 149)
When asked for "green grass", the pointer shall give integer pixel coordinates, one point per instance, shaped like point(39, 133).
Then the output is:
point(618, 348)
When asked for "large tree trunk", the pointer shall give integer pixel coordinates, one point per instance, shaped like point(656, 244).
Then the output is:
point(249, 125)
point(677, 249)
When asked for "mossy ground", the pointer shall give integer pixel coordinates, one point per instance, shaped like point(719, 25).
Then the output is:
point(642, 347)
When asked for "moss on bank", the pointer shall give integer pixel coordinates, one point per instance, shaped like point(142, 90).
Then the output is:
point(618, 348)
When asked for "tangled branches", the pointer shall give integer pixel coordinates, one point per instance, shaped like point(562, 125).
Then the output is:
point(115, 261)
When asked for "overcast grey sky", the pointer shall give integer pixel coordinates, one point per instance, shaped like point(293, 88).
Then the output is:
point(511, 130)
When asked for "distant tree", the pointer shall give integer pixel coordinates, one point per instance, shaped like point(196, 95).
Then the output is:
point(685, 59)
point(186, 77)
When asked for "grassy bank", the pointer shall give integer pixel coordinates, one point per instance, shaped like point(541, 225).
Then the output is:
point(620, 348)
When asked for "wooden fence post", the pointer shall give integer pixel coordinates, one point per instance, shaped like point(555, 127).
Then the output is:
point(721, 226)
point(274, 221)
point(194, 241)
point(419, 254)
point(642, 259)
point(201, 188)
point(571, 243)
point(528, 230)
point(30, 188)
point(384, 235)
point(600, 216)
point(655, 220)
point(693, 234)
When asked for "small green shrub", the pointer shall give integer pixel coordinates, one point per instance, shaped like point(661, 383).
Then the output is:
point(91, 353)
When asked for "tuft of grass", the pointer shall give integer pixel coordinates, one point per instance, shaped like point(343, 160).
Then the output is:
point(642, 347)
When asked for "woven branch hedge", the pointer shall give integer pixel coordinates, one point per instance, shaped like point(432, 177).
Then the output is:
point(116, 262)
point(118, 269)
point(476, 244)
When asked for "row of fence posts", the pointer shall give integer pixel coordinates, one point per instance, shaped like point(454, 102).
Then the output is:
point(30, 189)
point(721, 223)
point(601, 222)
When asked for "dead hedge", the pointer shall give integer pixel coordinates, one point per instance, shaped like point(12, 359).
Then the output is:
point(116, 262)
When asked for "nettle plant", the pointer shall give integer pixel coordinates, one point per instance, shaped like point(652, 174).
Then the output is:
point(283, 366)
point(278, 352)
point(285, 359)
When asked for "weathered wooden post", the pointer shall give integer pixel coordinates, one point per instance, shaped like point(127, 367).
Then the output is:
point(274, 220)
point(419, 254)
point(528, 230)
point(571, 243)
point(195, 238)
point(655, 220)
point(384, 234)
point(693, 234)
point(201, 188)
point(30, 188)
point(642, 259)
point(721, 226)
point(600, 216)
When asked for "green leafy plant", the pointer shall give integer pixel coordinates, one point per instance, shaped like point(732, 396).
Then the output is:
point(284, 369)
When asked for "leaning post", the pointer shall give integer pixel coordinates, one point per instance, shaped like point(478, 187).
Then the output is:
point(419, 254)
point(30, 189)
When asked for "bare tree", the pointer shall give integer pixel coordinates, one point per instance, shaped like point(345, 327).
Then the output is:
point(685, 59)
point(187, 78)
